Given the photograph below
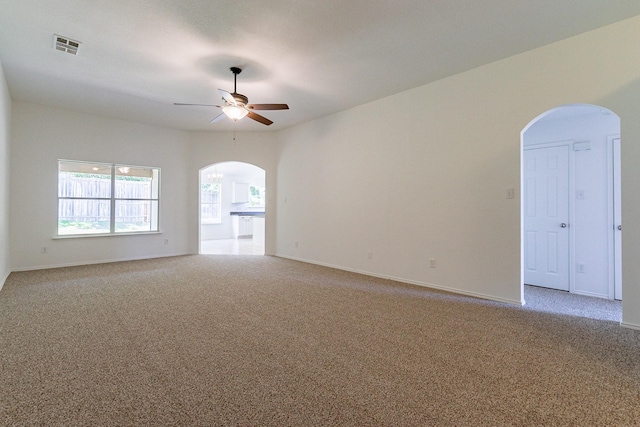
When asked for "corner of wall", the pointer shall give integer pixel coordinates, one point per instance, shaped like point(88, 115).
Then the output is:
point(5, 134)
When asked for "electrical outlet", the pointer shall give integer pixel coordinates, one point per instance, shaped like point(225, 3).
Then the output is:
point(296, 243)
point(44, 250)
point(369, 255)
point(580, 268)
point(166, 241)
point(432, 263)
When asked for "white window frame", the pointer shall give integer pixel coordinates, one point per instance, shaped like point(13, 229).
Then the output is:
point(113, 199)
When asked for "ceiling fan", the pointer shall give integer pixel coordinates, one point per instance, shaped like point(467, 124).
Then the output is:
point(236, 105)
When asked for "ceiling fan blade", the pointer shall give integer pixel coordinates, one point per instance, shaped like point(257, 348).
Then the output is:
point(196, 105)
point(228, 97)
point(268, 106)
point(259, 118)
point(218, 118)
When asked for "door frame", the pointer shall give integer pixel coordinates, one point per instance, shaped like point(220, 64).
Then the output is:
point(614, 200)
point(615, 279)
point(232, 175)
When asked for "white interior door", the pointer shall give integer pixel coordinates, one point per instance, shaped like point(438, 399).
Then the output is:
point(617, 221)
point(546, 217)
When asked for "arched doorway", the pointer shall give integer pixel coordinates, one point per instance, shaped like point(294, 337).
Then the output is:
point(570, 202)
point(232, 209)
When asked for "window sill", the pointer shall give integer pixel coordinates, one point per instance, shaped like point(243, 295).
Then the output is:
point(83, 236)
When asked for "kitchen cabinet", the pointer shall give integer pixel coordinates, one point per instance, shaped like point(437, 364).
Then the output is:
point(240, 192)
point(242, 226)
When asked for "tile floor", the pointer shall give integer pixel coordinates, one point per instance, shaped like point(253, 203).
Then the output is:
point(231, 247)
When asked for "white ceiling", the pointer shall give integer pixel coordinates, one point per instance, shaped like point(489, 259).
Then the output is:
point(138, 57)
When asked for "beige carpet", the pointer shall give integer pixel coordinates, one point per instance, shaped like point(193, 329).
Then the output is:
point(262, 341)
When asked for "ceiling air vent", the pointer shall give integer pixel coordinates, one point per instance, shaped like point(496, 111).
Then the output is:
point(65, 44)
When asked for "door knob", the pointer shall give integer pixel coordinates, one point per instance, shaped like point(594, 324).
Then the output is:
point(620, 227)
point(563, 225)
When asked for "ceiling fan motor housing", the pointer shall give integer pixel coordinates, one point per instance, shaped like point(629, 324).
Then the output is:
point(240, 98)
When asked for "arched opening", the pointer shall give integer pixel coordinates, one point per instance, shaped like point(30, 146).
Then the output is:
point(232, 209)
point(570, 207)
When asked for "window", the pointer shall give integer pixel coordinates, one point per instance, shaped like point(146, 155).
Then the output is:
point(256, 196)
point(102, 198)
point(210, 206)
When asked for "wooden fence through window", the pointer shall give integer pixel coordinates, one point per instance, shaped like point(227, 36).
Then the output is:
point(88, 199)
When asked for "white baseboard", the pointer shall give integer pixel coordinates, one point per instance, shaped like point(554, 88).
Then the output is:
point(4, 279)
point(410, 282)
point(630, 326)
point(105, 261)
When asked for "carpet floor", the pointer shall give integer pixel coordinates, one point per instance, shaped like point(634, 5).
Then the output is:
point(263, 341)
point(564, 303)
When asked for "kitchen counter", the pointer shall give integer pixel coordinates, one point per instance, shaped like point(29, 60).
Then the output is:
point(248, 213)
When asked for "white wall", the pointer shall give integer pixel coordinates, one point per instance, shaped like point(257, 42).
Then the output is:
point(5, 121)
point(429, 180)
point(590, 226)
point(42, 135)
point(256, 148)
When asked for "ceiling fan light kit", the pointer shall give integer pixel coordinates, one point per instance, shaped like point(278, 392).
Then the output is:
point(236, 105)
point(235, 112)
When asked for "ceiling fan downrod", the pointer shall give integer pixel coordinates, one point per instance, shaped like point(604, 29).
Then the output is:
point(235, 71)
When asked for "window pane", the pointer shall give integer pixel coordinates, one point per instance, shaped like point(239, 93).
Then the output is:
point(95, 198)
point(88, 180)
point(136, 215)
point(136, 182)
point(256, 196)
point(210, 203)
point(83, 216)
